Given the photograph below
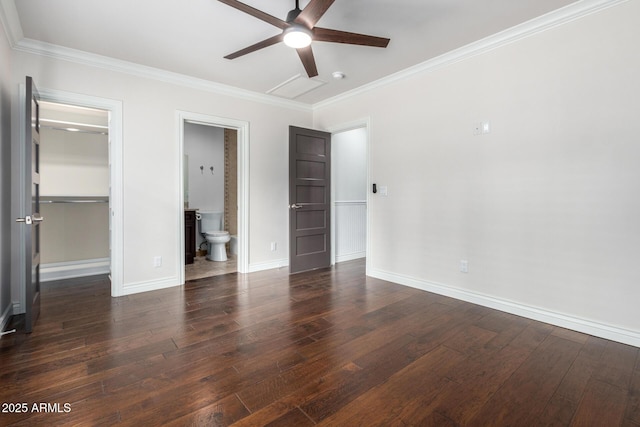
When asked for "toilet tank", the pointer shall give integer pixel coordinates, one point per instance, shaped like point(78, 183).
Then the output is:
point(210, 221)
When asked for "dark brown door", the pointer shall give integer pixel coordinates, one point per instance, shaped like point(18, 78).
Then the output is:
point(309, 199)
point(32, 218)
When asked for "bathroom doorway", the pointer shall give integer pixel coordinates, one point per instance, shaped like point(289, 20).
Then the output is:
point(213, 173)
point(350, 178)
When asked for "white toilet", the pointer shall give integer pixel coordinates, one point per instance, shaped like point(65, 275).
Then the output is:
point(211, 228)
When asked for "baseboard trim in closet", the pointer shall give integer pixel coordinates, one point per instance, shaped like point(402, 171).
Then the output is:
point(71, 269)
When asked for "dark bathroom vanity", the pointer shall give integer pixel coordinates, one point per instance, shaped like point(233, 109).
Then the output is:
point(189, 235)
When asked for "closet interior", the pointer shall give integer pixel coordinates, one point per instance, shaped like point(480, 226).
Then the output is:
point(74, 191)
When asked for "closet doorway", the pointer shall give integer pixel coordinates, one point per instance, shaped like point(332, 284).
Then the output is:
point(74, 192)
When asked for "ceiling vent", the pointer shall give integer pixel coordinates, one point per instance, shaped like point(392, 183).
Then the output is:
point(296, 86)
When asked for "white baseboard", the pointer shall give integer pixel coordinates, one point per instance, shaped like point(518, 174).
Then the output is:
point(586, 326)
point(6, 316)
point(268, 265)
point(284, 262)
point(151, 285)
point(71, 269)
point(350, 257)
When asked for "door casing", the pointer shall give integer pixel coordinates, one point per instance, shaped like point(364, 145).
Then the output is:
point(114, 108)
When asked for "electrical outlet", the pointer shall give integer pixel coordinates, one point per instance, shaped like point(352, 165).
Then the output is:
point(480, 128)
point(464, 266)
point(157, 261)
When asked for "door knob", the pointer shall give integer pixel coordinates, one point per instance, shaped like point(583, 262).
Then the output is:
point(295, 206)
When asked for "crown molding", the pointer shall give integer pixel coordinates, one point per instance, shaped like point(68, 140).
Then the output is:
point(527, 29)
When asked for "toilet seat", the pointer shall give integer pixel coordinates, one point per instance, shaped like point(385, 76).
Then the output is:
point(217, 233)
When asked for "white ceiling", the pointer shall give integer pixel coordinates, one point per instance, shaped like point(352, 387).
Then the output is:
point(192, 37)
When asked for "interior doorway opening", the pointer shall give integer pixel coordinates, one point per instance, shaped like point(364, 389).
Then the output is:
point(74, 191)
point(350, 184)
point(204, 181)
point(210, 162)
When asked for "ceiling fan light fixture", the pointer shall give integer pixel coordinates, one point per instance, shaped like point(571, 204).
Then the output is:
point(297, 36)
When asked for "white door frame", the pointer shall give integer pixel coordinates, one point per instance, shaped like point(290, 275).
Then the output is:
point(116, 174)
point(356, 124)
point(242, 127)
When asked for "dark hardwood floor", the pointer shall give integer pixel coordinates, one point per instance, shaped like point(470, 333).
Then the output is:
point(329, 347)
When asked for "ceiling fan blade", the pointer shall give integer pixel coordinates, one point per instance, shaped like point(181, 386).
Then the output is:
point(313, 12)
point(256, 13)
point(260, 45)
point(335, 36)
point(306, 56)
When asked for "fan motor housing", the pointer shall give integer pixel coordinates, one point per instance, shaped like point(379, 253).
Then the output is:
point(293, 14)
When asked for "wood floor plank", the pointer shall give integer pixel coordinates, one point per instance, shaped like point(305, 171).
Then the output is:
point(275, 387)
point(225, 412)
point(602, 404)
point(366, 372)
point(522, 398)
point(478, 378)
point(562, 406)
point(328, 347)
point(470, 340)
point(292, 418)
point(616, 365)
point(633, 403)
point(400, 395)
point(512, 326)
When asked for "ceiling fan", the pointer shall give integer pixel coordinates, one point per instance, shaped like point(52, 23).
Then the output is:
point(299, 30)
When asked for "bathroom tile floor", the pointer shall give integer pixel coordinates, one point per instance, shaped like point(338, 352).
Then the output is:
point(202, 267)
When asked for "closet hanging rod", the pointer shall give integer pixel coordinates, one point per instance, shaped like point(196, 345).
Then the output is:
point(74, 200)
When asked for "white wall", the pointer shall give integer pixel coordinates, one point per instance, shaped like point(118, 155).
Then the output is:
point(349, 175)
point(6, 222)
point(73, 164)
point(349, 163)
point(73, 232)
point(545, 208)
point(204, 145)
point(152, 210)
